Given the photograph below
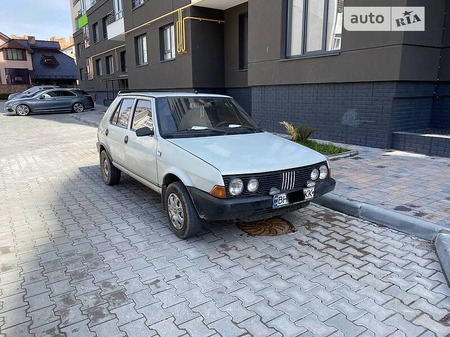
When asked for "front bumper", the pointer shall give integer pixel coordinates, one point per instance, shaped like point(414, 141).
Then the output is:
point(250, 208)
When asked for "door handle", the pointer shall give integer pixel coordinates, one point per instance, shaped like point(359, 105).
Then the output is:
point(106, 132)
point(125, 140)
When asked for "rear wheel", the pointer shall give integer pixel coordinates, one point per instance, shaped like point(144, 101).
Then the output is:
point(183, 218)
point(110, 173)
point(78, 107)
point(23, 110)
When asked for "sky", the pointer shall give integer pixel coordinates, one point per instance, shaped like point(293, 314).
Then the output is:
point(40, 18)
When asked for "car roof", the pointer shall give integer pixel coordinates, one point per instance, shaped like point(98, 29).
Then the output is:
point(168, 94)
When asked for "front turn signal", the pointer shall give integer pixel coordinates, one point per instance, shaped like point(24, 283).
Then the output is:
point(218, 192)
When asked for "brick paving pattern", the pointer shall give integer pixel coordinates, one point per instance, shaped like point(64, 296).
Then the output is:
point(78, 258)
point(408, 183)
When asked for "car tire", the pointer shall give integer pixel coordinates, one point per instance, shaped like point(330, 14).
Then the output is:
point(183, 218)
point(110, 173)
point(78, 107)
point(23, 110)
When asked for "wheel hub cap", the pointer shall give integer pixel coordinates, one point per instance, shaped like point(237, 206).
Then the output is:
point(175, 209)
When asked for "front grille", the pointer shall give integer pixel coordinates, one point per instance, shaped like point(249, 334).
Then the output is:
point(285, 180)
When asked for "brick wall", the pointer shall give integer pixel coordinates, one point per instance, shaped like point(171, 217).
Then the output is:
point(355, 113)
point(441, 107)
point(9, 89)
point(243, 96)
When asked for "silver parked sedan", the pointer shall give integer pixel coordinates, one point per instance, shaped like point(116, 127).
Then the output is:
point(53, 100)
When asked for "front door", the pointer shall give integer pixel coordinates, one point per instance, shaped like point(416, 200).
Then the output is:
point(141, 152)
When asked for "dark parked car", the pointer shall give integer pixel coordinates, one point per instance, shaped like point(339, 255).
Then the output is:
point(53, 100)
point(31, 91)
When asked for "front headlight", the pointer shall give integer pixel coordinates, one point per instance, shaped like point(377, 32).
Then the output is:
point(323, 172)
point(236, 187)
point(314, 174)
point(253, 185)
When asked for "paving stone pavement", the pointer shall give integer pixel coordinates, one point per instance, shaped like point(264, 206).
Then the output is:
point(408, 183)
point(79, 258)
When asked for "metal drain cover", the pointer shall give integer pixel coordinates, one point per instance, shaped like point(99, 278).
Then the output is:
point(269, 227)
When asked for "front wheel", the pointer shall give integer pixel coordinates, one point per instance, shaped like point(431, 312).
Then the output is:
point(183, 218)
point(22, 110)
point(110, 173)
point(78, 107)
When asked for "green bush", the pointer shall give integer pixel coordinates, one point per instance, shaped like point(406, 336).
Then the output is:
point(4, 97)
point(300, 133)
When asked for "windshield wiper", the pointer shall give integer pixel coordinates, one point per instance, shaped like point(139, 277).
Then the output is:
point(244, 128)
point(195, 132)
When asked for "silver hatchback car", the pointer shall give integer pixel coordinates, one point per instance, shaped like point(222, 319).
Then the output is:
point(207, 158)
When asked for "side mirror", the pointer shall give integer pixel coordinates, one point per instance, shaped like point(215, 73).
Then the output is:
point(145, 131)
point(41, 97)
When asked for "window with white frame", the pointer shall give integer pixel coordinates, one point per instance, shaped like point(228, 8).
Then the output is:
point(314, 26)
point(168, 42)
point(141, 49)
point(109, 65)
point(89, 69)
point(86, 37)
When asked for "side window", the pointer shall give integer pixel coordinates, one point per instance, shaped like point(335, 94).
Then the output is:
point(143, 115)
point(122, 114)
point(50, 94)
point(62, 93)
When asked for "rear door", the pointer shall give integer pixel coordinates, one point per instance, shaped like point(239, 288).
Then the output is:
point(117, 131)
point(141, 152)
point(64, 100)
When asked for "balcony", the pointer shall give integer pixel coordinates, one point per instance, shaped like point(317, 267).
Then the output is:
point(115, 26)
point(219, 4)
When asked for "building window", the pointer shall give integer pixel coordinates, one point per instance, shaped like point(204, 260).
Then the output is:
point(104, 27)
point(95, 32)
point(98, 67)
point(17, 76)
point(79, 49)
point(314, 26)
point(167, 38)
point(141, 49)
point(109, 65)
point(243, 41)
point(137, 3)
point(118, 10)
point(82, 74)
point(86, 38)
point(123, 61)
point(15, 54)
point(89, 69)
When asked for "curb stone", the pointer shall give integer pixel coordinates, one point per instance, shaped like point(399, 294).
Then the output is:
point(442, 244)
point(403, 223)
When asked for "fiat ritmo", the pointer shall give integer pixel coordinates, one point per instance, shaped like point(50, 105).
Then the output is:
point(207, 158)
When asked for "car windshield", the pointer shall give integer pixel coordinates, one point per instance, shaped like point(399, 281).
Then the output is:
point(181, 117)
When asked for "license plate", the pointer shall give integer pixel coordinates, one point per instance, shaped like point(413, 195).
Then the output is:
point(280, 200)
point(308, 193)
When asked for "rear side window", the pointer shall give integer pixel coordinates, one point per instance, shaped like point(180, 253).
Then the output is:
point(122, 114)
point(63, 93)
point(143, 115)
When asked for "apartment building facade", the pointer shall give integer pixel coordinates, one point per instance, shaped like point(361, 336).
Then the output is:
point(280, 59)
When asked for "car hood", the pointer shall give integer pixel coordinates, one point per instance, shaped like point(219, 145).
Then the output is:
point(249, 153)
point(17, 100)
